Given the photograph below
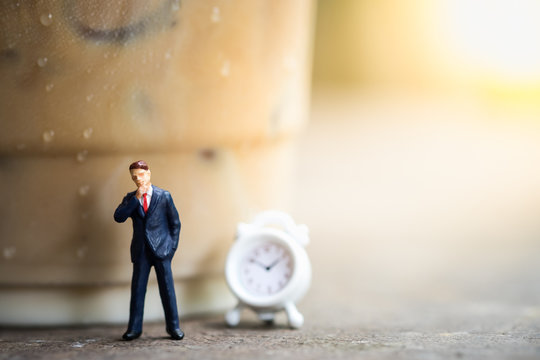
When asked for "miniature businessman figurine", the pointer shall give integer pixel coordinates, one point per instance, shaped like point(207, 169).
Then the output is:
point(156, 229)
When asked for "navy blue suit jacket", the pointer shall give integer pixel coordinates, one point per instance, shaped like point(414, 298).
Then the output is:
point(158, 229)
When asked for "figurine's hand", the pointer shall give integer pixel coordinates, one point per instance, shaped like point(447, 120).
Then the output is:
point(140, 191)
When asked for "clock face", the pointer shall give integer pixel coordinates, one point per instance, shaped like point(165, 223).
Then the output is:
point(266, 269)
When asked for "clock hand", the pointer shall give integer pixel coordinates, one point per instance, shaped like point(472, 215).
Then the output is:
point(260, 264)
point(273, 264)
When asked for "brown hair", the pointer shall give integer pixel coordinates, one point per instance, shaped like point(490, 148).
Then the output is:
point(141, 164)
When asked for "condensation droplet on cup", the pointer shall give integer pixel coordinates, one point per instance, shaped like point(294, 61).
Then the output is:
point(82, 155)
point(9, 252)
point(87, 133)
point(42, 61)
point(84, 190)
point(167, 55)
point(225, 68)
point(49, 87)
point(48, 136)
point(46, 19)
point(81, 253)
point(216, 15)
point(89, 97)
point(175, 6)
point(21, 147)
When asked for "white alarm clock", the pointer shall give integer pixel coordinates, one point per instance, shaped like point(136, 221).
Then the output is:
point(267, 268)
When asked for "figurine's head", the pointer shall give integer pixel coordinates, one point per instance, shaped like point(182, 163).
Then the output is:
point(140, 173)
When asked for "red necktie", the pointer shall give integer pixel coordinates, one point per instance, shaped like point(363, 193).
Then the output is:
point(145, 203)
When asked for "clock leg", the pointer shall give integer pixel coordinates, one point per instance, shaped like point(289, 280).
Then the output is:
point(232, 318)
point(267, 317)
point(296, 320)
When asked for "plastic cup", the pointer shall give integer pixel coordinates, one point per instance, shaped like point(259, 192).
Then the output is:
point(210, 93)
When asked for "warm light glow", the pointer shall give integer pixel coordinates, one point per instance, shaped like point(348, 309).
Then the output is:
point(499, 38)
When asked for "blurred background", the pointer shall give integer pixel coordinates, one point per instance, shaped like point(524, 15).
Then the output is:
point(418, 173)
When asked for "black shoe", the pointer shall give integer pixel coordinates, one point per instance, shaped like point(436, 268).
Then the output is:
point(128, 335)
point(176, 334)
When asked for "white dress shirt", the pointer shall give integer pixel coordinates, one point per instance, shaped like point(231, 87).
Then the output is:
point(148, 197)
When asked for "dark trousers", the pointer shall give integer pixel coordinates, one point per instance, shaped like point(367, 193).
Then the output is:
point(139, 282)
